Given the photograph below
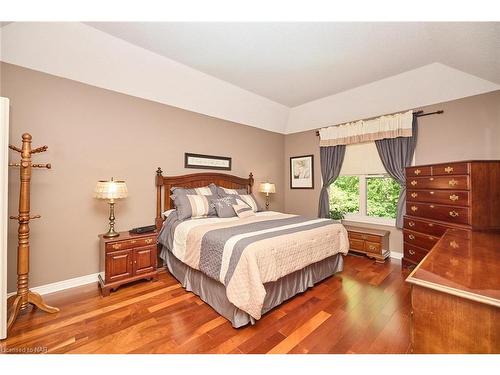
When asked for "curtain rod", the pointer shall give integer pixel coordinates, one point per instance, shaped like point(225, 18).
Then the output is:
point(416, 114)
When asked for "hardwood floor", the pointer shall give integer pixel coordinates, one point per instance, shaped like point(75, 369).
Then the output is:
point(364, 309)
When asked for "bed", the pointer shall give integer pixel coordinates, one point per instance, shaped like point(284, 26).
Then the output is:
point(244, 267)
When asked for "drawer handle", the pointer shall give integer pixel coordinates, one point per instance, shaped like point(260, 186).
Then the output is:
point(454, 244)
point(132, 242)
point(413, 183)
point(453, 213)
point(411, 224)
point(411, 236)
point(414, 208)
point(431, 206)
point(431, 192)
point(448, 169)
point(116, 246)
point(412, 252)
point(453, 197)
point(431, 225)
point(371, 247)
point(414, 195)
point(148, 240)
point(431, 179)
point(452, 182)
point(417, 171)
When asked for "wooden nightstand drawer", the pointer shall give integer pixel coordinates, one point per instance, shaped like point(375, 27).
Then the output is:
point(356, 244)
point(373, 247)
point(130, 244)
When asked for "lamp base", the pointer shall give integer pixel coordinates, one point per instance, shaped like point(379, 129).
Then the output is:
point(111, 233)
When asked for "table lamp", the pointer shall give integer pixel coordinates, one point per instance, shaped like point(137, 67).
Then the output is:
point(111, 190)
point(267, 187)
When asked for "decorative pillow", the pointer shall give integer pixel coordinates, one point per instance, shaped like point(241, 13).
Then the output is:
point(224, 206)
point(250, 201)
point(243, 194)
point(223, 192)
point(243, 210)
point(188, 205)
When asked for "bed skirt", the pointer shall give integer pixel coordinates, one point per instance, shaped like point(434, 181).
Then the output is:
point(214, 293)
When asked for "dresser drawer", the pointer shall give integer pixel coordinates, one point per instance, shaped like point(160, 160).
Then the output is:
point(422, 240)
point(128, 244)
point(439, 182)
point(452, 197)
point(373, 247)
point(356, 244)
point(450, 169)
point(418, 171)
point(413, 253)
point(423, 226)
point(457, 215)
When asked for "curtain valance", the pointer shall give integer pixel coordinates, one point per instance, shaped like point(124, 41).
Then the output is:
point(383, 127)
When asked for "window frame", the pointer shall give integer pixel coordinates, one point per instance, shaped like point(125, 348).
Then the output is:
point(361, 216)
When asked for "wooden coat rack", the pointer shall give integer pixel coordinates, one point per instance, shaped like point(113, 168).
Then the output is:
point(24, 296)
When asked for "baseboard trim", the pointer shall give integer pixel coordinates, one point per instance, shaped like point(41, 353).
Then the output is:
point(64, 284)
point(398, 256)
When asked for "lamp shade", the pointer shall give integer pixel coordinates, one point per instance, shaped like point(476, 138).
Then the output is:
point(267, 187)
point(110, 190)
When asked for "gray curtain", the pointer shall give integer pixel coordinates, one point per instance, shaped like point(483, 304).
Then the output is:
point(331, 159)
point(396, 154)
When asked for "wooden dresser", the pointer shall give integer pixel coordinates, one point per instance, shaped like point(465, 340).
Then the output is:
point(127, 258)
point(455, 295)
point(456, 195)
point(372, 242)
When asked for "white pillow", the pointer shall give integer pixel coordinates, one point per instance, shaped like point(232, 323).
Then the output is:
point(168, 212)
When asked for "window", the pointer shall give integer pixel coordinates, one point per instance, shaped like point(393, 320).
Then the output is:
point(364, 191)
point(365, 197)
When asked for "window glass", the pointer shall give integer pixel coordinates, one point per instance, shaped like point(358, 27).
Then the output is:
point(344, 194)
point(382, 195)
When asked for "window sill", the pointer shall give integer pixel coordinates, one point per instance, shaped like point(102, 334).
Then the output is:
point(370, 220)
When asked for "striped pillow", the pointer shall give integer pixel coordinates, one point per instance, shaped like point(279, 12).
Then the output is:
point(250, 200)
point(242, 210)
point(224, 192)
point(194, 202)
point(200, 205)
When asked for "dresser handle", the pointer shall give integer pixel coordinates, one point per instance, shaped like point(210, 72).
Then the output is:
point(371, 247)
point(412, 252)
point(414, 208)
point(453, 197)
point(448, 169)
point(431, 225)
point(116, 246)
point(431, 192)
point(453, 213)
point(148, 240)
point(413, 183)
point(454, 244)
point(452, 182)
point(431, 179)
point(411, 224)
point(414, 195)
point(417, 171)
point(431, 206)
point(411, 236)
point(132, 242)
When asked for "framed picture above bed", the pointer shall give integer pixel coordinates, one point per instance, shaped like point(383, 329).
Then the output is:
point(302, 172)
point(200, 161)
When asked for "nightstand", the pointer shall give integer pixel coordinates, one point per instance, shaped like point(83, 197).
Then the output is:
point(127, 258)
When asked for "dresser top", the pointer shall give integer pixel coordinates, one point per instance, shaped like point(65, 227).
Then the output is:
point(456, 162)
point(464, 267)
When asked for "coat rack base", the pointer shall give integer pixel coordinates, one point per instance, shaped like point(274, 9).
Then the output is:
point(17, 306)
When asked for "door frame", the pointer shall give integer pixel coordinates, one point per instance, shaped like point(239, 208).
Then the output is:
point(4, 183)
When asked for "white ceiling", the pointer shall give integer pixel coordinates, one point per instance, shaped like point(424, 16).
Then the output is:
point(295, 63)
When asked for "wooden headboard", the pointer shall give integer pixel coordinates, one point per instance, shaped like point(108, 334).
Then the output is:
point(193, 180)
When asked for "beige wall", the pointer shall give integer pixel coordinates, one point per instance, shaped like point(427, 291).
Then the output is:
point(469, 128)
point(94, 134)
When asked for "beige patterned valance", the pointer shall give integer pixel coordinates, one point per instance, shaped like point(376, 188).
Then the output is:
point(390, 126)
